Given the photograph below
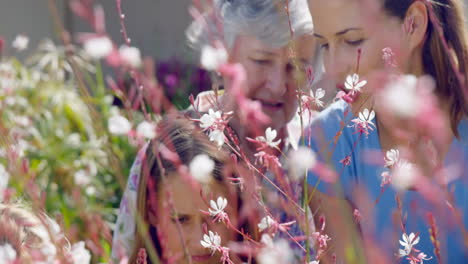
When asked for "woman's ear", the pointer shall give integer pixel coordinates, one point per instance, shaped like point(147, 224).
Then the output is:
point(416, 23)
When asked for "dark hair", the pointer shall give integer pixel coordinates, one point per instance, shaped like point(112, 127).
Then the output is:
point(184, 138)
point(445, 51)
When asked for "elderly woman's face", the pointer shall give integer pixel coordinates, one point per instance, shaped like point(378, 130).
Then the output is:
point(273, 74)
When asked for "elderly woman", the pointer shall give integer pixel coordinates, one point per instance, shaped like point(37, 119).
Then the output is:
point(257, 34)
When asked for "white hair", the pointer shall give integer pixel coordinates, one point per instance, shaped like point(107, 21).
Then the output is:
point(268, 20)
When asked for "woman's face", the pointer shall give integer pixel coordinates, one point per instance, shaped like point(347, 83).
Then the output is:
point(272, 78)
point(342, 27)
point(188, 204)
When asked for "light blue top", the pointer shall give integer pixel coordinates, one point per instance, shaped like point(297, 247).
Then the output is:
point(367, 164)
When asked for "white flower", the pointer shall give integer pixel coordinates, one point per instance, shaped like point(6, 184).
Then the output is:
point(218, 206)
point(209, 119)
point(301, 160)
point(217, 136)
point(366, 116)
point(82, 178)
point(213, 241)
point(407, 243)
point(73, 140)
point(404, 175)
point(212, 58)
point(80, 254)
point(401, 97)
point(422, 256)
point(7, 253)
point(20, 43)
point(130, 56)
point(146, 129)
point(319, 94)
point(315, 262)
point(353, 84)
point(4, 178)
point(119, 125)
point(266, 223)
point(392, 157)
point(201, 168)
point(270, 135)
point(277, 252)
point(98, 47)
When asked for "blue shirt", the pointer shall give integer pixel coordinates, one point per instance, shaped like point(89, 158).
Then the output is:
point(364, 171)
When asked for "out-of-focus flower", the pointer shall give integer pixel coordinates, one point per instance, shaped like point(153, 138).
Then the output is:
point(146, 129)
point(20, 43)
point(408, 242)
point(401, 96)
point(79, 253)
point(130, 56)
point(211, 241)
point(7, 253)
point(74, 140)
point(389, 57)
point(265, 223)
point(98, 47)
point(208, 120)
point(422, 256)
point(404, 175)
point(4, 178)
point(212, 58)
point(119, 125)
point(82, 177)
point(353, 84)
point(276, 252)
point(201, 168)
point(269, 138)
point(301, 160)
point(392, 157)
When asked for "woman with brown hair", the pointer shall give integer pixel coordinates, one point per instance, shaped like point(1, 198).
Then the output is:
point(398, 145)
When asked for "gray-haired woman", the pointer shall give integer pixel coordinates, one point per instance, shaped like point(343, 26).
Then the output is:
point(257, 34)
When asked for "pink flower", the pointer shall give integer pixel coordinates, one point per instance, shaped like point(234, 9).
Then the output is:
point(346, 161)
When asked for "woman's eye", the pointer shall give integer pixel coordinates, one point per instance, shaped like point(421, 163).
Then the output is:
point(261, 61)
point(324, 46)
point(355, 42)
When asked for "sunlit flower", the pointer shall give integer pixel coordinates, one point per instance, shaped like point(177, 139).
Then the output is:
point(20, 43)
point(266, 223)
point(130, 56)
point(82, 177)
point(7, 253)
point(146, 129)
point(319, 94)
point(215, 124)
point(392, 157)
point(98, 47)
point(211, 241)
point(408, 242)
point(201, 168)
point(212, 58)
point(119, 125)
point(269, 139)
point(353, 84)
point(364, 123)
point(217, 208)
point(80, 254)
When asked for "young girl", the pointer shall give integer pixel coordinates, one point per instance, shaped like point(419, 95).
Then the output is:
point(172, 214)
point(415, 201)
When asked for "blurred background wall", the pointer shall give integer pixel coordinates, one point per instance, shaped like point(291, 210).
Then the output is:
point(155, 26)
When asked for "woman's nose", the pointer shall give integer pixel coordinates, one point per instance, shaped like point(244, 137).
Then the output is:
point(336, 65)
point(276, 82)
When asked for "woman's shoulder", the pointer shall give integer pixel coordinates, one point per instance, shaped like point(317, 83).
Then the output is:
point(331, 119)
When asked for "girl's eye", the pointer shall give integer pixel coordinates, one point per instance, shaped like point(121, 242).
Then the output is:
point(181, 219)
point(355, 42)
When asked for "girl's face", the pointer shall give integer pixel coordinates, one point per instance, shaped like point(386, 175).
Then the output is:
point(193, 223)
point(272, 75)
point(343, 27)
